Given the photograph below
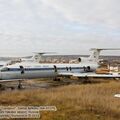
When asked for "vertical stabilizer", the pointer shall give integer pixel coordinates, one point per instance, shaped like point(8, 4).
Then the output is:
point(37, 57)
point(96, 53)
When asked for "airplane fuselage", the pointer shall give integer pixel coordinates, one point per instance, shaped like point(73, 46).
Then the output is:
point(37, 70)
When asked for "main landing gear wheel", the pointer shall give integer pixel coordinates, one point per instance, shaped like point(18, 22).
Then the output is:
point(20, 85)
point(56, 79)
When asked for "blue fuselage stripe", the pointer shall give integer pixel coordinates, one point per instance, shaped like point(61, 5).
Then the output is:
point(36, 69)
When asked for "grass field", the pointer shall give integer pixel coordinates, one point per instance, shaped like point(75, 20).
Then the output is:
point(73, 102)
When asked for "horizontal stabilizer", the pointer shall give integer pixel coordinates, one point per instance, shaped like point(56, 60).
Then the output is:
point(42, 53)
point(99, 49)
point(96, 53)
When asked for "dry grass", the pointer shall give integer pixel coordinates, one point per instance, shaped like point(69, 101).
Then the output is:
point(73, 102)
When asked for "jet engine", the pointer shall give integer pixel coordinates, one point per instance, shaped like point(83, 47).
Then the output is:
point(87, 69)
point(83, 59)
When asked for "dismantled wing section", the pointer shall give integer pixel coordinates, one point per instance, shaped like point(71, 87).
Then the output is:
point(92, 75)
point(66, 74)
point(10, 80)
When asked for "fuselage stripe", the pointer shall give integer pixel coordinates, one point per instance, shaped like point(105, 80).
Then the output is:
point(35, 69)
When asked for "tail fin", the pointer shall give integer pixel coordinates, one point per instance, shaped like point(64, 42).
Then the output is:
point(38, 56)
point(96, 53)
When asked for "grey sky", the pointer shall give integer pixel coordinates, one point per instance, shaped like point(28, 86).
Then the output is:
point(63, 26)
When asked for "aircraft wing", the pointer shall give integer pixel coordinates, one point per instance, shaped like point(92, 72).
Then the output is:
point(92, 75)
point(10, 80)
point(66, 74)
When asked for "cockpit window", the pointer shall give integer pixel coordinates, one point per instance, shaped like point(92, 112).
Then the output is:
point(4, 69)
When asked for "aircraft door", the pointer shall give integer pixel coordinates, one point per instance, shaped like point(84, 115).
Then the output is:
point(55, 68)
point(22, 69)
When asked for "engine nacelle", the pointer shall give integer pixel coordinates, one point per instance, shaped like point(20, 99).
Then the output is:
point(83, 59)
point(87, 69)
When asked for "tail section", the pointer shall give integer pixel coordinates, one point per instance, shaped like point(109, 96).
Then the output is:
point(96, 53)
point(38, 56)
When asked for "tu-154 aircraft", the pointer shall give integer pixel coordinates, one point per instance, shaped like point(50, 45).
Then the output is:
point(31, 70)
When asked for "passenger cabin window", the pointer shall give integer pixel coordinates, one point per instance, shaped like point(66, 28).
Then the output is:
point(5, 69)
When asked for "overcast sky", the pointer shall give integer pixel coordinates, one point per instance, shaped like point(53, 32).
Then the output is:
point(62, 26)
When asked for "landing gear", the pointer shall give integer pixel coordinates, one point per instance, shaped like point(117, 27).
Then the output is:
point(85, 80)
point(56, 79)
point(12, 88)
point(20, 85)
point(2, 87)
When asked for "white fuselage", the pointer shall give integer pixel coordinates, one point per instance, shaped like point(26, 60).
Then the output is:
point(31, 70)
